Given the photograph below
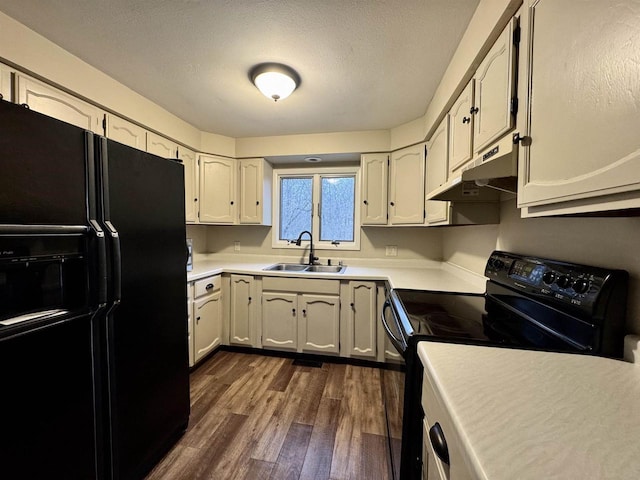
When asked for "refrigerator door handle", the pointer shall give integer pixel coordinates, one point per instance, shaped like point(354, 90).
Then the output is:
point(101, 249)
point(116, 263)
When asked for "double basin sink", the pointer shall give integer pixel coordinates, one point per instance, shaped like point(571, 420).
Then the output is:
point(296, 267)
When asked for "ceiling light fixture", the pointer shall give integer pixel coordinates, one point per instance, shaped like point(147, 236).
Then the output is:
point(313, 159)
point(274, 80)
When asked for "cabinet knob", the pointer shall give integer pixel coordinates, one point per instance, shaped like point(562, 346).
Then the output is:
point(365, 202)
point(392, 204)
point(257, 202)
point(474, 110)
point(25, 105)
point(197, 319)
point(466, 119)
point(293, 311)
point(195, 199)
point(231, 202)
point(209, 286)
point(304, 312)
point(352, 304)
point(249, 298)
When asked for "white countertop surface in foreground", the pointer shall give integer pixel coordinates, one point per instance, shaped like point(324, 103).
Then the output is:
point(539, 415)
point(419, 275)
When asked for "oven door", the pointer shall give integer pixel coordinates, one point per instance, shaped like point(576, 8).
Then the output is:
point(396, 324)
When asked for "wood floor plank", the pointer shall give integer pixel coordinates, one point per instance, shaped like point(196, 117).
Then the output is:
point(309, 403)
point(292, 454)
point(373, 463)
point(173, 464)
point(282, 377)
point(372, 409)
point(317, 462)
point(335, 381)
point(393, 386)
point(253, 470)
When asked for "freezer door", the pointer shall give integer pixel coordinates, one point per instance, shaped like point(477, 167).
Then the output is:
point(148, 378)
point(44, 169)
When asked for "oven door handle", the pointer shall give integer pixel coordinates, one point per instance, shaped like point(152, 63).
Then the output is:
point(397, 343)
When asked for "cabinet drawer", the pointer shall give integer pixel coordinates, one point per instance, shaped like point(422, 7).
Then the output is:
point(301, 285)
point(207, 285)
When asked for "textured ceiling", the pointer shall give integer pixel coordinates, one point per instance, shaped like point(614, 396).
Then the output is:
point(364, 64)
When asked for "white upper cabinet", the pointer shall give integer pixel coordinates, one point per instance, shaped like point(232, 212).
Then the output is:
point(582, 108)
point(125, 132)
point(437, 212)
point(218, 203)
point(5, 82)
point(55, 103)
point(163, 147)
point(255, 191)
point(460, 131)
point(494, 91)
point(406, 186)
point(191, 187)
point(375, 178)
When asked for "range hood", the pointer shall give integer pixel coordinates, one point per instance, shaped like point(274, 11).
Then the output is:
point(483, 179)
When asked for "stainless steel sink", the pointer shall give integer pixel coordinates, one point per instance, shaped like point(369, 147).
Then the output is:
point(326, 268)
point(286, 267)
point(296, 267)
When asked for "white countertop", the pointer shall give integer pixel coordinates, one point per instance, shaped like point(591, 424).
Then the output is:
point(414, 274)
point(539, 415)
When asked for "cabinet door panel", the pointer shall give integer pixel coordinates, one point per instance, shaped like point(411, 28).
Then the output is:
point(319, 323)
point(362, 321)
point(437, 212)
point(582, 104)
point(55, 103)
point(191, 186)
point(461, 131)
point(217, 190)
point(208, 324)
point(375, 173)
point(125, 132)
point(5, 83)
point(494, 91)
point(406, 186)
point(241, 328)
point(163, 147)
point(250, 190)
point(280, 320)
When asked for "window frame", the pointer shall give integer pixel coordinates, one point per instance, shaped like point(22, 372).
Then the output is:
point(317, 174)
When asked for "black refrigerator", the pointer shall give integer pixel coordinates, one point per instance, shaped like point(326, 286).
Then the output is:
point(93, 304)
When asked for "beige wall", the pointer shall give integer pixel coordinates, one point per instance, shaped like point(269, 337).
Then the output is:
point(604, 242)
point(413, 243)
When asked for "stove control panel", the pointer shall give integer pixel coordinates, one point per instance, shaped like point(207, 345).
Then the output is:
point(577, 286)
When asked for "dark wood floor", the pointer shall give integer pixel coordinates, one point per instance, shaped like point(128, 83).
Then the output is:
point(257, 417)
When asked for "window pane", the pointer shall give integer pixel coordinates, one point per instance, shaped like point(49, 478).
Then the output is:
point(296, 196)
point(337, 198)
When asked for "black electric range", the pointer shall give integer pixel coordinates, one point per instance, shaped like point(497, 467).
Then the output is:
point(529, 303)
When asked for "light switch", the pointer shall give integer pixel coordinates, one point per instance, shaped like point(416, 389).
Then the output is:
point(236, 246)
point(391, 250)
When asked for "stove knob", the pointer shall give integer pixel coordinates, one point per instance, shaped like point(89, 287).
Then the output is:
point(563, 281)
point(499, 264)
point(581, 285)
point(548, 277)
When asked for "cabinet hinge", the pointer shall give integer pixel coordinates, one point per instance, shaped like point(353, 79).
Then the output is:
point(514, 106)
point(425, 151)
point(516, 35)
point(388, 161)
point(104, 124)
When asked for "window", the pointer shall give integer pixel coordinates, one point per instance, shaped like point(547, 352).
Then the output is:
point(323, 203)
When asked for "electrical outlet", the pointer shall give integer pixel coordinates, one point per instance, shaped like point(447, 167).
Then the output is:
point(391, 251)
point(236, 246)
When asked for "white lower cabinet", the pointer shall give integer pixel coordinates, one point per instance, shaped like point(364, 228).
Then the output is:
point(301, 315)
point(280, 320)
point(361, 324)
point(190, 322)
point(242, 311)
point(207, 316)
point(319, 323)
point(437, 418)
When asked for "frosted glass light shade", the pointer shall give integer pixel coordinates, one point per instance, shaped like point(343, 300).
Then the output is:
point(275, 81)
